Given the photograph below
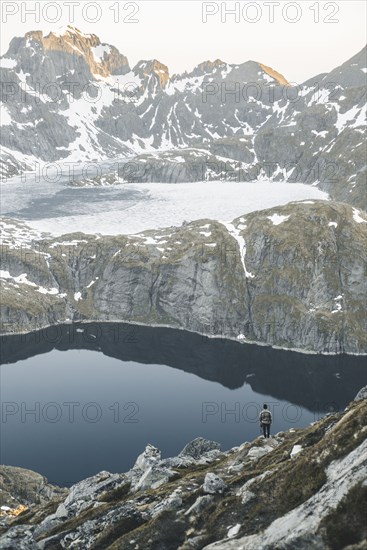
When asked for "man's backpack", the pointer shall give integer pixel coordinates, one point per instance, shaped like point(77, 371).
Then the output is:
point(265, 417)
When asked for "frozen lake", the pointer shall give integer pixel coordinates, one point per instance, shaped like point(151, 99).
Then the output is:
point(134, 207)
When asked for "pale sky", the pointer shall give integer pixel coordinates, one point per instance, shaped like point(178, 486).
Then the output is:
point(174, 31)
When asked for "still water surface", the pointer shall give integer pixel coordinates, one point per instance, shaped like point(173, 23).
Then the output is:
point(77, 399)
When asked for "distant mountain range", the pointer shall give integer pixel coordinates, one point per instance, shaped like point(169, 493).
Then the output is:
point(68, 97)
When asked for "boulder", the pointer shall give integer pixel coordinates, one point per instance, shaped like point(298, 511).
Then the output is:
point(362, 394)
point(213, 484)
point(153, 477)
point(150, 456)
point(199, 447)
point(257, 452)
point(200, 504)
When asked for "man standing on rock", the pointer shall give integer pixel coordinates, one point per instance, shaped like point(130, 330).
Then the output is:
point(265, 421)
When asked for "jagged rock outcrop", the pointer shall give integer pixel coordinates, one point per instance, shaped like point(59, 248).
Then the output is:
point(101, 59)
point(198, 448)
point(277, 498)
point(185, 165)
point(20, 486)
point(274, 74)
point(292, 276)
point(207, 67)
point(362, 394)
point(145, 69)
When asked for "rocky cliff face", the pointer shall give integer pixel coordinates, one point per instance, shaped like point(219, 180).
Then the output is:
point(24, 487)
point(292, 276)
point(69, 97)
point(101, 59)
point(305, 488)
point(275, 75)
point(145, 69)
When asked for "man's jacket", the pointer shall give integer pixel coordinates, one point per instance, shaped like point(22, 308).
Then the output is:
point(265, 417)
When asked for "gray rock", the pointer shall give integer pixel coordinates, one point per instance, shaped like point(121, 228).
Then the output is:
point(89, 489)
point(153, 477)
point(200, 504)
point(172, 502)
point(257, 452)
point(362, 394)
point(178, 462)
point(213, 484)
point(18, 538)
point(84, 495)
point(149, 457)
point(199, 447)
point(22, 486)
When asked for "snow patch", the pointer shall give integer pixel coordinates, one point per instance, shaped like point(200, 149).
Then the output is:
point(296, 449)
point(92, 282)
point(356, 114)
point(99, 52)
point(235, 233)
point(61, 31)
point(5, 118)
point(338, 305)
point(22, 279)
point(357, 218)
point(277, 219)
point(7, 63)
point(43, 290)
point(233, 531)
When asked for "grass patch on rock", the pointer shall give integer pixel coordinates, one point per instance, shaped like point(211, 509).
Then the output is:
point(347, 524)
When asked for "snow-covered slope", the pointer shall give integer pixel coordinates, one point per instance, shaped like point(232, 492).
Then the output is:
point(70, 98)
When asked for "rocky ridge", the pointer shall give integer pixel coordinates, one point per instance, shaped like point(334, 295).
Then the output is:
point(305, 488)
point(291, 276)
point(102, 59)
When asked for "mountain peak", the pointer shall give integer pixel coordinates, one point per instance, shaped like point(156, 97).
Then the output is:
point(101, 58)
point(208, 66)
point(68, 29)
point(145, 68)
point(275, 75)
point(64, 34)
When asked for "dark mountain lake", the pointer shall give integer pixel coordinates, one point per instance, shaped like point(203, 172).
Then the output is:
point(77, 399)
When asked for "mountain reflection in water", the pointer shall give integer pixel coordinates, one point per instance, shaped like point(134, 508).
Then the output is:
point(78, 399)
point(302, 379)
